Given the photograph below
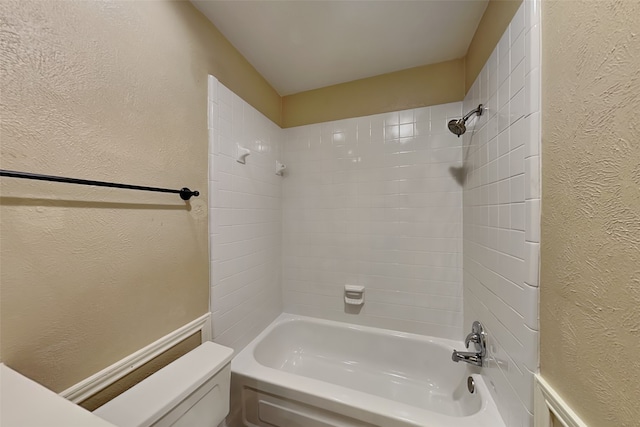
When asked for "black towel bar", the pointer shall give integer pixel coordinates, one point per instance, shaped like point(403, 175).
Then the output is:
point(185, 193)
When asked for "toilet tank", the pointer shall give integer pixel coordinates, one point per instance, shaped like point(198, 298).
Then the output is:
point(191, 391)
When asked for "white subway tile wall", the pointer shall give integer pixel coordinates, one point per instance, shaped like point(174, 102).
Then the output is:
point(245, 217)
point(373, 201)
point(501, 214)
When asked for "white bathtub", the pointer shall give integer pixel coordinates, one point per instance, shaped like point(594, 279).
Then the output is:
point(306, 372)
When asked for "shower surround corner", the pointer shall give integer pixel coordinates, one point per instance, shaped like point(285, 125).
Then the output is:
point(502, 213)
point(245, 215)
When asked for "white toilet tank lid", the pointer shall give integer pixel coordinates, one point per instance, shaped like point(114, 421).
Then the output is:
point(147, 401)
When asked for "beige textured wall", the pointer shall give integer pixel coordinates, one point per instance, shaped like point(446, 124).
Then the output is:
point(590, 272)
point(494, 22)
point(412, 88)
point(112, 91)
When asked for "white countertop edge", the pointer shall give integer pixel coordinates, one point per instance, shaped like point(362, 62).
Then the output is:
point(25, 403)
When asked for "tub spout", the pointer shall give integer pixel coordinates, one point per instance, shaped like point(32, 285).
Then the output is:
point(467, 357)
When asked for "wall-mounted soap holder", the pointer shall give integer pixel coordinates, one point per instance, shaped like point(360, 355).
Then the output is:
point(280, 168)
point(242, 154)
point(353, 294)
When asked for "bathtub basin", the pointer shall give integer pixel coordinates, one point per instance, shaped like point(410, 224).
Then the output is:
point(308, 372)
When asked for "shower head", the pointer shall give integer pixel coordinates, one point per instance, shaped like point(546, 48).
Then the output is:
point(458, 127)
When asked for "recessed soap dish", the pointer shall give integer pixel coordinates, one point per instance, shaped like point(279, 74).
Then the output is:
point(353, 294)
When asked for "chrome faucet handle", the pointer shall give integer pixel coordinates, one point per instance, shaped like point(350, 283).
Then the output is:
point(479, 337)
point(472, 337)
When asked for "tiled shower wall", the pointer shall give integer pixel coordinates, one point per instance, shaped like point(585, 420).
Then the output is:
point(373, 201)
point(502, 213)
point(245, 219)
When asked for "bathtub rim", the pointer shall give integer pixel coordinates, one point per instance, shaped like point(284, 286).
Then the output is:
point(350, 402)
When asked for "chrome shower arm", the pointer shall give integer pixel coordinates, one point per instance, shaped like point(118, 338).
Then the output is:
point(477, 111)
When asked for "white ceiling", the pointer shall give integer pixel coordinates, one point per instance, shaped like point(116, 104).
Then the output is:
point(302, 45)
